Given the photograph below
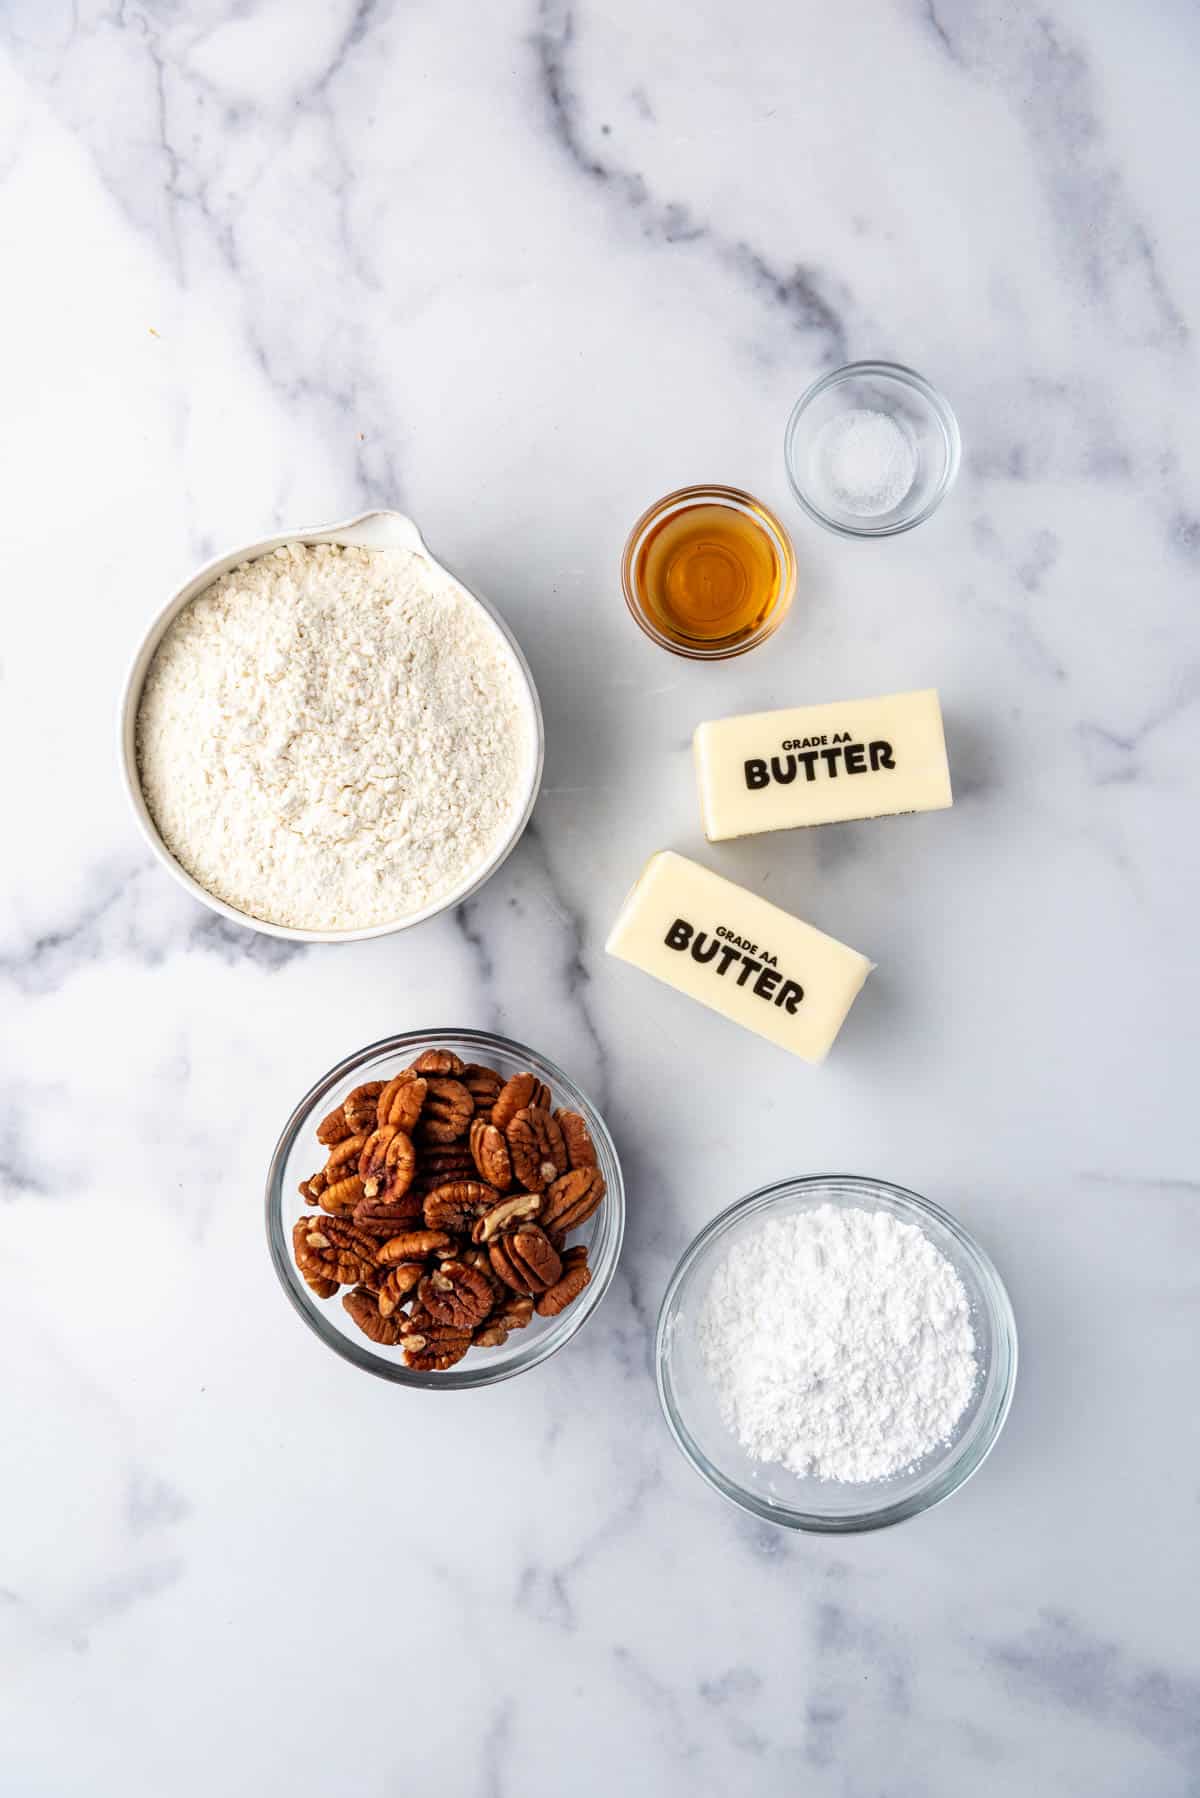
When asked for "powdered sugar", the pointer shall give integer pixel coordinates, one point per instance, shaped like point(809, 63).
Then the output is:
point(330, 738)
point(839, 1343)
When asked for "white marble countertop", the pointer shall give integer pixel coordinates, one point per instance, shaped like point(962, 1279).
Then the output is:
point(517, 269)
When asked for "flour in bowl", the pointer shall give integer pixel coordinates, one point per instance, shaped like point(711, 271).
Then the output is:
point(332, 738)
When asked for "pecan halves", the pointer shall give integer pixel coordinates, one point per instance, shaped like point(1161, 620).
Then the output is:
point(457, 1294)
point(442, 1210)
point(512, 1312)
point(341, 1196)
point(361, 1106)
point(387, 1163)
point(490, 1152)
point(364, 1309)
point(311, 1189)
point(515, 1095)
point(327, 1248)
point(320, 1283)
point(432, 1347)
point(388, 1217)
point(399, 1284)
point(535, 1142)
point(439, 1062)
point(447, 1112)
point(581, 1150)
point(458, 1205)
point(342, 1159)
point(410, 1245)
point(401, 1100)
point(506, 1215)
point(571, 1200)
point(483, 1084)
point(440, 1163)
point(575, 1275)
point(334, 1128)
point(526, 1259)
point(343, 1185)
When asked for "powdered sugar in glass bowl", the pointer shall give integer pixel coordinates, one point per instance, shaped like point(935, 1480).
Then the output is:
point(697, 1406)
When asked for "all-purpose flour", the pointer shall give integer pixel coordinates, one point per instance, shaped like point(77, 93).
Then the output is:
point(331, 738)
point(839, 1343)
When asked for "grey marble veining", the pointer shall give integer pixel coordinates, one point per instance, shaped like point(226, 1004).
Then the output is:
point(518, 268)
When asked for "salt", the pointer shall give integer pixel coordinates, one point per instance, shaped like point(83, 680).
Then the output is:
point(866, 460)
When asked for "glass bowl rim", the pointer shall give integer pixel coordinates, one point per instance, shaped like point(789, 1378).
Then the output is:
point(904, 377)
point(942, 1481)
point(720, 494)
point(467, 1375)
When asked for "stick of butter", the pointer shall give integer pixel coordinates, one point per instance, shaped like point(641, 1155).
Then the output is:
point(738, 954)
point(822, 764)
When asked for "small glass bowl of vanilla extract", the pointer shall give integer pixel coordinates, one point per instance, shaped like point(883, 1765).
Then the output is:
point(708, 572)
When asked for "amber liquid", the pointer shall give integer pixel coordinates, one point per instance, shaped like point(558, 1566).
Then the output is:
point(708, 574)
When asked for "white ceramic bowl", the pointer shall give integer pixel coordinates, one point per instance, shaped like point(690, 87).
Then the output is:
point(371, 530)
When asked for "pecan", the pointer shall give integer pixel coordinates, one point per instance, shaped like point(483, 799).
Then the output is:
point(432, 1347)
point(387, 1163)
point(361, 1106)
point(364, 1309)
point(343, 1157)
point(457, 1294)
point(480, 1259)
point(370, 1159)
point(581, 1150)
point(490, 1152)
point(571, 1200)
point(483, 1084)
point(437, 1061)
point(535, 1142)
point(327, 1248)
point(575, 1276)
point(423, 1214)
point(410, 1245)
point(505, 1215)
point(334, 1128)
point(526, 1259)
point(439, 1163)
point(513, 1311)
point(316, 1282)
point(401, 1100)
point(388, 1217)
point(312, 1188)
point(399, 1283)
point(515, 1095)
point(457, 1205)
point(448, 1110)
point(342, 1195)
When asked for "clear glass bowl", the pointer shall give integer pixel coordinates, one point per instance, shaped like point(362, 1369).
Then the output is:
point(920, 413)
point(709, 649)
point(771, 1491)
point(298, 1154)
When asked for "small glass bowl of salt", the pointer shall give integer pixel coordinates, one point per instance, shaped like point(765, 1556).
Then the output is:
point(871, 449)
